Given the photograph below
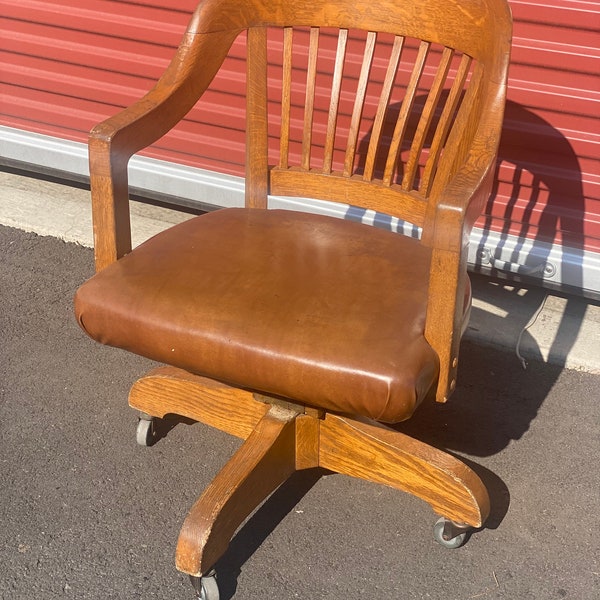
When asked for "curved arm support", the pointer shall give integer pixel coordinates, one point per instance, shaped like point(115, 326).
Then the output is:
point(114, 141)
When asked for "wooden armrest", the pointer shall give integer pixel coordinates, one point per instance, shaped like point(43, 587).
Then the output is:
point(449, 227)
point(447, 280)
point(114, 141)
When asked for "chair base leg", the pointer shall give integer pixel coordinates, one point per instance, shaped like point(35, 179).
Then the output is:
point(377, 453)
point(283, 439)
point(259, 467)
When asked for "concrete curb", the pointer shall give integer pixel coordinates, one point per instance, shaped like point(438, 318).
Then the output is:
point(533, 322)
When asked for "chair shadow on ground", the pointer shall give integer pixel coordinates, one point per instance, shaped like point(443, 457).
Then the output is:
point(544, 191)
point(496, 399)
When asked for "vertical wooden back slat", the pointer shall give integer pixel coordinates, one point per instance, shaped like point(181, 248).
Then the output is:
point(425, 120)
point(336, 87)
point(405, 109)
point(382, 107)
point(404, 152)
point(309, 102)
point(257, 167)
point(359, 102)
point(444, 123)
point(460, 134)
point(286, 98)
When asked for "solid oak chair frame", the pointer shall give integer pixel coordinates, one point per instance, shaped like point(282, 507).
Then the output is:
point(282, 436)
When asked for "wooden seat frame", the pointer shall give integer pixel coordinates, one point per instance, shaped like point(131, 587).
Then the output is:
point(281, 436)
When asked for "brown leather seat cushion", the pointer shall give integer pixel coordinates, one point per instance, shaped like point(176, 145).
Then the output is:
point(321, 310)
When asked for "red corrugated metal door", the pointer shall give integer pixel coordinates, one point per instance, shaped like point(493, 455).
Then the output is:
point(67, 64)
point(544, 220)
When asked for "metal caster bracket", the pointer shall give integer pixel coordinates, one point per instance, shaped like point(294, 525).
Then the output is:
point(206, 587)
point(449, 534)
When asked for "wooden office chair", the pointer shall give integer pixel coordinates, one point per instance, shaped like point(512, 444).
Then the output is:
point(304, 333)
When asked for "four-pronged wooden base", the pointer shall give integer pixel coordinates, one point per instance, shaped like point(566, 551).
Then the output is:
point(281, 438)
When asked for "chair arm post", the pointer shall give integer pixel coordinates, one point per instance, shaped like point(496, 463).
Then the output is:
point(110, 203)
point(448, 235)
point(444, 315)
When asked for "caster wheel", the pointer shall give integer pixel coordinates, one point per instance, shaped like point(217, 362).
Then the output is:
point(146, 432)
point(206, 587)
point(449, 534)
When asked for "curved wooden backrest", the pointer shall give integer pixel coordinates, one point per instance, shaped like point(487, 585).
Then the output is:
point(441, 64)
point(365, 117)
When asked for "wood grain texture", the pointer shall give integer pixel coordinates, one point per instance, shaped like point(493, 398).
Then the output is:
point(364, 450)
point(307, 441)
point(336, 88)
point(110, 204)
point(168, 390)
point(444, 123)
point(114, 141)
point(381, 455)
point(382, 106)
point(286, 97)
point(359, 102)
point(404, 113)
point(259, 467)
point(426, 120)
point(334, 186)
point(281, 440)
point(309, 99)
point(257, 141)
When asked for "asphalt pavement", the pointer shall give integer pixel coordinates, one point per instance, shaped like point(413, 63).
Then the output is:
point(86, 513)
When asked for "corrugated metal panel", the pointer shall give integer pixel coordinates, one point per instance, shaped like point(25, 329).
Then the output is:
point(550, 152)
point(549, 164)
point(67, 64)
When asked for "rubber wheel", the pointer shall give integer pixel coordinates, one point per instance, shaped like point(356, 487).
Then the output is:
point(206, 587)
point(144, 435)
point(438, 536)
